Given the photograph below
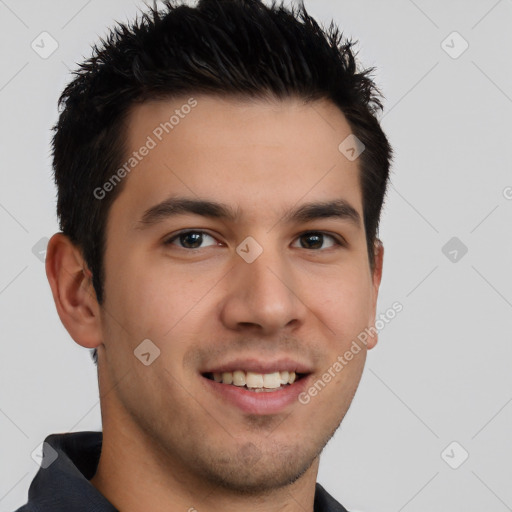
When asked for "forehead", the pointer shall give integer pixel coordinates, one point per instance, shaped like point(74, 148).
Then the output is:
point(257, 155)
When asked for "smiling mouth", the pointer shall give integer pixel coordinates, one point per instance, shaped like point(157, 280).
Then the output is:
point(256, 382)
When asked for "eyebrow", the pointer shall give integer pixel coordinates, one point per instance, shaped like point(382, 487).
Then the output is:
point(173, 206)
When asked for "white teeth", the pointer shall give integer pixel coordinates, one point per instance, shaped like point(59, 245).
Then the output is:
point(272, 380)
point(255, 380)
point(227, 378)
point(239, 378)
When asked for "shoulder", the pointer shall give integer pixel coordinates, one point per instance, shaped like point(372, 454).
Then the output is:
point(28, 507)
point(324, 502)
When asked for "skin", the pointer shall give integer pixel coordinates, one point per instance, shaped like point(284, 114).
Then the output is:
point(299, 298)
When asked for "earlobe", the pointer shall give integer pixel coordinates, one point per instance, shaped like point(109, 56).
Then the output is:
point(71, 284)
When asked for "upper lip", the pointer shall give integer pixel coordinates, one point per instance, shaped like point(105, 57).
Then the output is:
point(260, 366)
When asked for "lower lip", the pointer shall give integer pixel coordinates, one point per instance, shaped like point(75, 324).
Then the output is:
point(263, 402)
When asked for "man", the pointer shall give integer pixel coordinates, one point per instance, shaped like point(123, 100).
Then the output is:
point(220, 175)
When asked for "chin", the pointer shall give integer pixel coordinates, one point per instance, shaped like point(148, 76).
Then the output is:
point(249, 471)
point(259, 479)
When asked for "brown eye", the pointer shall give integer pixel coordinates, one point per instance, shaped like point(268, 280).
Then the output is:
point(316, 239)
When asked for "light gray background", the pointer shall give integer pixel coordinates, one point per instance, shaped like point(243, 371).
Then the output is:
point(441, 371)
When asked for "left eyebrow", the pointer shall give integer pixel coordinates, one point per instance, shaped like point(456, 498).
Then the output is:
point(339, 209)
point(174, 206)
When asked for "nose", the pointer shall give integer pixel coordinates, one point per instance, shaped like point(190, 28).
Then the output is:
point(264, 295)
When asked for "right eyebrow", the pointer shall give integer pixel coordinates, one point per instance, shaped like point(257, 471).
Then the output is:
point(173, 206)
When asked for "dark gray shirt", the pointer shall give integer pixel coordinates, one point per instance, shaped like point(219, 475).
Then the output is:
point(71, 460)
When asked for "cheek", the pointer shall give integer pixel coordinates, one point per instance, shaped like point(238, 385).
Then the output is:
point(134, 299)
point(158, 302)
point(345, 302)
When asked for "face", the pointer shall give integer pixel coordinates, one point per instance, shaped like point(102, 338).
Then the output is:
point(216, 254)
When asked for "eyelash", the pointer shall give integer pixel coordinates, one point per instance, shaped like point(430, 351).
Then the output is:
point(340, 243)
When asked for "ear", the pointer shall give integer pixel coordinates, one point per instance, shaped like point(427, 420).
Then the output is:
point(73, 293)
point(376, 279)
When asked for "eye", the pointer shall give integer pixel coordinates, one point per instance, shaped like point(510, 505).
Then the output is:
point(190, 239)
point(315, 240)
point(194, 240)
